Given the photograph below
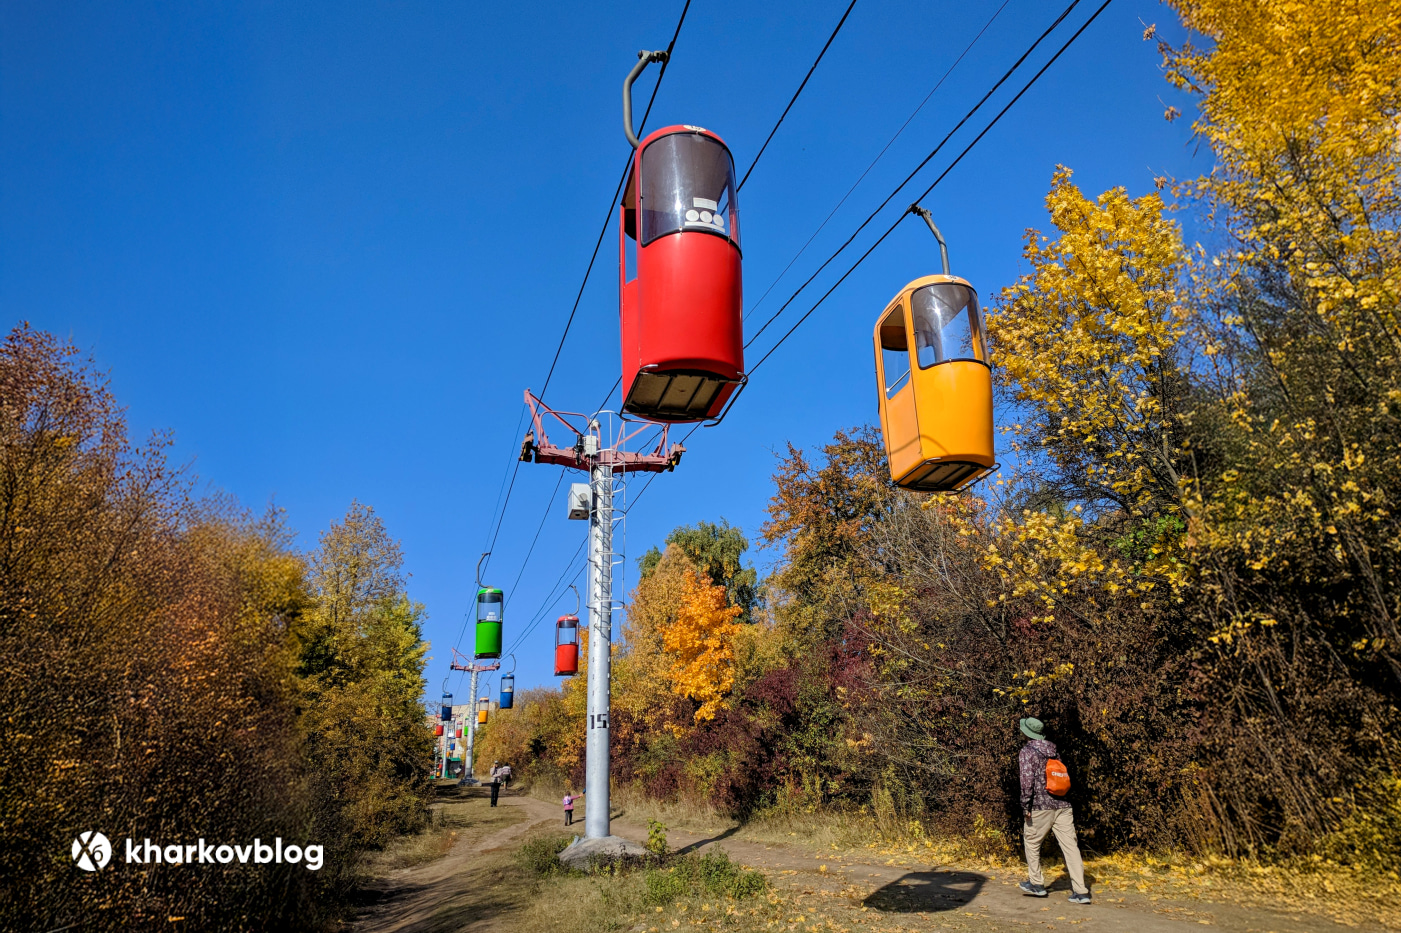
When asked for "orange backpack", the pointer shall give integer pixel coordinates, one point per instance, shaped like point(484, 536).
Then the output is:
point(1057, 777)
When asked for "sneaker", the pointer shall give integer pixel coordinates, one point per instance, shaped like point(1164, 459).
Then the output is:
point(1035, 890)
point(1080, 898)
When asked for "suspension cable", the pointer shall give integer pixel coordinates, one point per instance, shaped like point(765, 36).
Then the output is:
point(794, 100)
point(588, 271)
point(862, 177)
point(917, 169)
point(608, 217)
point(931, 187)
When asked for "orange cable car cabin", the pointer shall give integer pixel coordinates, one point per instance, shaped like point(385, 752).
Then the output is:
point(934, 376)
point(680, 316)
point(567, 646)
point(483, 707)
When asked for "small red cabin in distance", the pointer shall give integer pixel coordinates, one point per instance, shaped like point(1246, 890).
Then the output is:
point(680, 316)
point(567, 646)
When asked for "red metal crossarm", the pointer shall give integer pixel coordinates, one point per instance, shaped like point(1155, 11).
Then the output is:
point(470, 665)
point(537, 447)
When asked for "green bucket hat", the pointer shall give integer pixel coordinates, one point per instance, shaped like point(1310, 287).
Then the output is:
point(1033, 728)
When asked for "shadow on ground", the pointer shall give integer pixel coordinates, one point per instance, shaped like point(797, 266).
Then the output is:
point(927, 891)
point(684, 850)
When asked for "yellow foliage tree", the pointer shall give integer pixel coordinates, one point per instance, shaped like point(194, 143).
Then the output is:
point(700, 643)
point(1086, 345)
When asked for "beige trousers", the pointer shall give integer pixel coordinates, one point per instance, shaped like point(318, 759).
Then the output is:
point(1062, 823)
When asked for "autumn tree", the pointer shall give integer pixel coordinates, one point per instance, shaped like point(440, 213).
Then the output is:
point(148, 667)
point(700, 645)
point(716, 550)
point(362, 664)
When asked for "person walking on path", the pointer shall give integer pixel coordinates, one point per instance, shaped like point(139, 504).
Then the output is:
point(495, 783)
point(1043, 813)
point(569, 799)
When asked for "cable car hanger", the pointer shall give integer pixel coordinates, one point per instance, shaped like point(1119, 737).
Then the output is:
point(929, 219)
point(644, 58)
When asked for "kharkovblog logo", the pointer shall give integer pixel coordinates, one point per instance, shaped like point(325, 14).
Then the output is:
point(92, 850)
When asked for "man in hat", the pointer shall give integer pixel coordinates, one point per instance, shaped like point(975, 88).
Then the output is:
point(1043, 813)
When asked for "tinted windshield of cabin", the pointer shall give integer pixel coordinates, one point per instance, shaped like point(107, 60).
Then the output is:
point(947, 325)
point(489, 607)
point(688, 183)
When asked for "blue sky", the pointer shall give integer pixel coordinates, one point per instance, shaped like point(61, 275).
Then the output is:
point(329, 245)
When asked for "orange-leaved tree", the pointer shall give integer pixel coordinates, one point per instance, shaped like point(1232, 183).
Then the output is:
point(701, 645)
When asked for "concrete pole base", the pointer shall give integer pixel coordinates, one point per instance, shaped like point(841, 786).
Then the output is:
point(587, 854)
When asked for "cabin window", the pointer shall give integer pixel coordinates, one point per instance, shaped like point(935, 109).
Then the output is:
point(688, 183)
point(948, 325)
point(894, 351)
point(489, 607)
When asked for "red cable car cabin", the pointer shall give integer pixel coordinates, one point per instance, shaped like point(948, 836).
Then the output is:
point(567, 646)
point(680, 316)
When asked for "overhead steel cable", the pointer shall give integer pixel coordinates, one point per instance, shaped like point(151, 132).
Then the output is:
point(551, 597)
point(917, 169)
point(550, 505)
point(1066, 45)
point(924, 194)
point(793, 100)
point(880, 155)
point(608, 218)
point(841, 22)
point(935, 183)
point(499, 518)
point(520, 421)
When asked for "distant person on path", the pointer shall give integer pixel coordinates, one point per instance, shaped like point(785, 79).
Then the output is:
point(505, 775)
point(495, 783)
point(1045, 811)
point(569, 799)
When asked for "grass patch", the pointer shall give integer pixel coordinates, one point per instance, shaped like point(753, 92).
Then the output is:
point(714, 874)
point(631, 893)
point(539, 854)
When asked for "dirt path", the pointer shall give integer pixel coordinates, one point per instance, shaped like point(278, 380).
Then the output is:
point(413, 900)
point(407, 901)
point(928, 890)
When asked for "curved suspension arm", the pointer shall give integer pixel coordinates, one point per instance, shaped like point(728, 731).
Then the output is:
point(644, 58)
point(943, 247)
point(485, 555)
point(512, 671)
point(576, 598)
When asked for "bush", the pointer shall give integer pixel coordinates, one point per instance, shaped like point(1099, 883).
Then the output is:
point(540, 855)
point(656, 839)
point(714, 873)
point(1370, 837)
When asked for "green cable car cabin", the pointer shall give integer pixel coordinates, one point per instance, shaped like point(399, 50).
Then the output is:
point(490, 603)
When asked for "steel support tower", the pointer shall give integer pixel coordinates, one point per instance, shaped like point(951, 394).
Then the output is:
point(602, 463)
point(470, 728)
